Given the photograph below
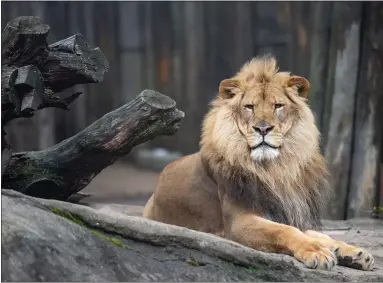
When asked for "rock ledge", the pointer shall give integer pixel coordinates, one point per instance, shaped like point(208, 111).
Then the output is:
point(48, 240)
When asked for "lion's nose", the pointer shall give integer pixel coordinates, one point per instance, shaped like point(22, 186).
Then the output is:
point(263, 127)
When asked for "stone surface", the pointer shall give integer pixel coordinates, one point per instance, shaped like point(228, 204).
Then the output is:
point(41, 243)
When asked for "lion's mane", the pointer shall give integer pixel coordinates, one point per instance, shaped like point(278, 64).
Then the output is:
point(290, 189)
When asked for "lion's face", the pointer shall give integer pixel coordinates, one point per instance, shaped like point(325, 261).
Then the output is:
point(265, 116)
point(266, 110)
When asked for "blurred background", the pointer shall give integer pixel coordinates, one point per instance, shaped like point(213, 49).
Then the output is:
point(184, 50)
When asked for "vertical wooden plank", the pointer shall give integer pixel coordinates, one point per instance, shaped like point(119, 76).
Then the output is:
point(178, 72)
point(243, 37)
point(5, 7)
point(76, 120)
point(17, 9)
point(131, 50)
point(225, 27)
point(131, 70)
point(106, 34)
point(194, 62)
point(319, 57)
point(300, 30)
point(345, 43)
point(143, 57)
point(89, 33)
point(159, 37)
point(222, 49)
point(56, 17)
point(364, 183)
point(272, 31)
point(148, 62)
point(212, 49)
point(181, 69)
point(161, 43)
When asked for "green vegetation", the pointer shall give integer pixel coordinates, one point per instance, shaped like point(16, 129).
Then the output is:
point(79, 221)
point(192, 261)
point(74, 218)
point(113, 240)
point(252, 269)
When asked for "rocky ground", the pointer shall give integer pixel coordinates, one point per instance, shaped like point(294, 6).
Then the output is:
point(47, 240)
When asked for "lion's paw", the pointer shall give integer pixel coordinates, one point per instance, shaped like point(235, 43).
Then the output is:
point(354, 257)
point(314, 255)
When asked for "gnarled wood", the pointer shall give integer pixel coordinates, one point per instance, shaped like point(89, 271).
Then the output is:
point(23, 42)
point(22, 90)
point(69, 166)
point(71, 61)
point(32, 71)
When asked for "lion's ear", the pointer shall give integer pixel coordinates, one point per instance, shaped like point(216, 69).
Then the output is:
point(302, 85)
point(229, 88)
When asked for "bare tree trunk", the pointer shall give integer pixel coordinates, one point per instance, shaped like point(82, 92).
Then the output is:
point(69, 166)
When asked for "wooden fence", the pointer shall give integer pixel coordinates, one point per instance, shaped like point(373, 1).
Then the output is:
point(184, 49)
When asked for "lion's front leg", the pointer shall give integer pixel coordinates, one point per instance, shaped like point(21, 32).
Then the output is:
point(258, 233)
point(346, 254)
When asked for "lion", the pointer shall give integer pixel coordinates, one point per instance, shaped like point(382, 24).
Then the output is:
point(259, 178)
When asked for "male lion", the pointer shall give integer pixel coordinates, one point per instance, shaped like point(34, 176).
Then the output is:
point(259, 178)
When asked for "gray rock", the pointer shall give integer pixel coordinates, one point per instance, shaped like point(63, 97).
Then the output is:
point(47, 240)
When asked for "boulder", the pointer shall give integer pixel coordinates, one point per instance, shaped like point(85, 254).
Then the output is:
point(49, 240)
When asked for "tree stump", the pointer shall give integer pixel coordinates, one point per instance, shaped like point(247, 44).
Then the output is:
point(32, 73)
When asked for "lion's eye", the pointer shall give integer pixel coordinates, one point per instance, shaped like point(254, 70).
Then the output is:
point(249, 107)
point(278, 105)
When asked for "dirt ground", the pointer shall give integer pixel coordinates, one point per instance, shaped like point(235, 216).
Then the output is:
point(122, 183)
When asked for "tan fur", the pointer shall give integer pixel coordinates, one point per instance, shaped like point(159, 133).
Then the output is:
point(262, 195)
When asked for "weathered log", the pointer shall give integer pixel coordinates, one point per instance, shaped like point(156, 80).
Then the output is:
point(23, 42)
point(69, 166)
point(52, 100)
point(22, 90)
point(71, 61)
point(32, 71)
point(365, 170)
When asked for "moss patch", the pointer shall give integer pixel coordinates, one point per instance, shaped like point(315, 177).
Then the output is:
point(113, 240)
point(74, 218)
point(192, 261)
point(79, 221)
point(252, 270)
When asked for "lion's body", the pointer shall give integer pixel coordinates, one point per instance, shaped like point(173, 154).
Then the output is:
point(186, 196)
point(259, 177)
